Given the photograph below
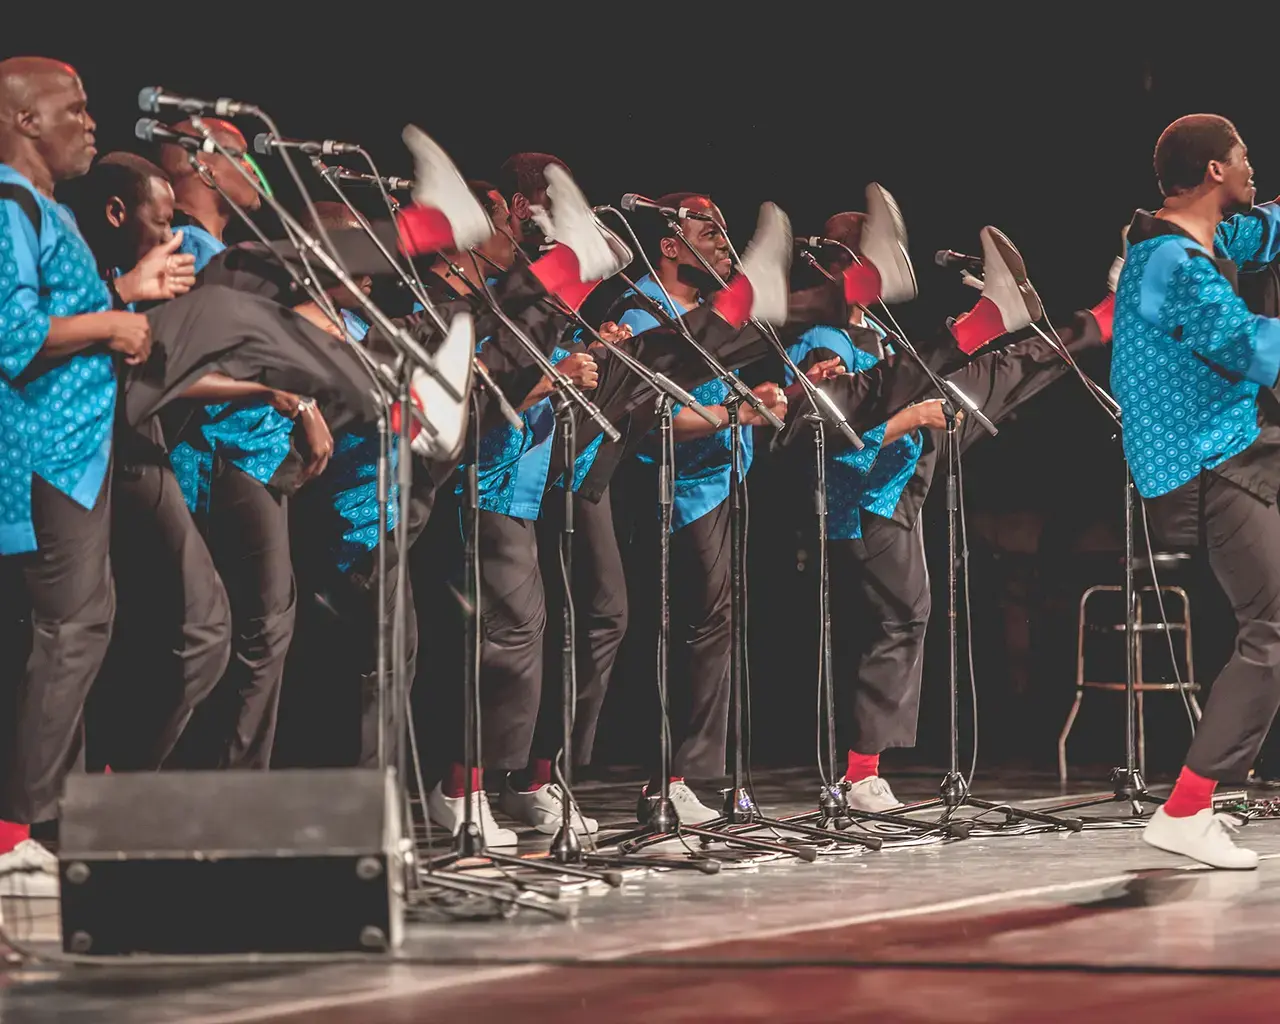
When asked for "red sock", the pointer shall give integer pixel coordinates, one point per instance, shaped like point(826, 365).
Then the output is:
point(1191, 794)
point(978, 326)
point(1105, 313)
point(11, 835)
point(560, 275)
point(861, 766)
point(734, 303)
point(454, 785)
point(415, 428)
point(539, 774)
point(424, 229)
point(861, 284)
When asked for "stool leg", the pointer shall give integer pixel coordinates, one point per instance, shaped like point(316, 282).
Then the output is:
point(1066, 731)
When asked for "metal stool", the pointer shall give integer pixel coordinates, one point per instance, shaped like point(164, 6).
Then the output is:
point(1164, 562)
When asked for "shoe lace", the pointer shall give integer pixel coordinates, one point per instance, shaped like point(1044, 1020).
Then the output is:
point(1226, 822)
point(878, 787)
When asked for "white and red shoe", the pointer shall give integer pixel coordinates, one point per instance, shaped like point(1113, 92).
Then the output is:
point(766, 264)
point(884, 245)
point(1009, 302)
point(454, 360)
point(439, 188)
point(600, 253)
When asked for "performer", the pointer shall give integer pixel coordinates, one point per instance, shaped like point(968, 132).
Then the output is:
point(880, 583)
point(1189, 358)
point(165, 577)
point(232, 461)
point(57, 396)
point(700, 541)
point(513, 476)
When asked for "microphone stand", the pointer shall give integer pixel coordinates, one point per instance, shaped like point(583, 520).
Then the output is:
point(739, 809)
point(304, 242)
point(1128, 784)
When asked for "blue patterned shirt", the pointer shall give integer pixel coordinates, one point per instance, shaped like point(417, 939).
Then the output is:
point(55, 422)
point(350, 481)
point(1188, 355)
point(252, 436)
point(512, 465)
point(702, 465)
point(870, 479)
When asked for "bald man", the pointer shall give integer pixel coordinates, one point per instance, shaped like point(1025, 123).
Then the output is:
point(57, 401)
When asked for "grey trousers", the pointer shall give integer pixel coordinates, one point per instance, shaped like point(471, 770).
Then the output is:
point(1242, 537)
point(880, 611)
point(68, 582)
point(599, 591)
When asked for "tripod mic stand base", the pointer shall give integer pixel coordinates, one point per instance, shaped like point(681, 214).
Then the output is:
point(1127, 786)
point(952, 790)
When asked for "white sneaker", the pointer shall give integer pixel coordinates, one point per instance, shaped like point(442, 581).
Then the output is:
point(29, 870)
point(766, 264)
point(1005, 282)
point(543, 808)
point(871, 794)
point(884, 243)
point(689, 809)
point(573, 223)
point(454, 360)
point(1203, 836)
point(438, 183)
point(447, 812)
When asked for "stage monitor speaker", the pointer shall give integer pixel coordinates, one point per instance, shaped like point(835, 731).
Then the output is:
point(231, 862)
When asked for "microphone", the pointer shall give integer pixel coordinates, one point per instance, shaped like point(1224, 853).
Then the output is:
point(351, 177)
point(148, 129)
point(817, 242)
point(633, 201)
point(266, 144)
point(958, 261)
point(153, 98)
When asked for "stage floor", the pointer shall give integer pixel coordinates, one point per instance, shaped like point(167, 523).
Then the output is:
point(1044, 927)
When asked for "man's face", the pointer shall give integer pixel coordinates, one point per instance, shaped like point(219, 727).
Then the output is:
point(65, 129)
point(242, 193)
point(1237, 177)
point(498, 246)
point(707, 237)
point(151, 224)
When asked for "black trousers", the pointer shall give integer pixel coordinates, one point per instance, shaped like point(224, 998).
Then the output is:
point(880, 611)
point(1241, 534)
point(513, 617)
point(68, 583)
point(173, 631)
point(599, 590)
point(248, 535)
point(700, 635)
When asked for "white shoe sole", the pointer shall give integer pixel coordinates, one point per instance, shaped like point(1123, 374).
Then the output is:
point(1199, 860)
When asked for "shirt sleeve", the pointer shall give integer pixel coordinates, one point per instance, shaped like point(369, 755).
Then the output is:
point(1251, 240)
point(1187, 297)
point(639, 320)
point(24, 327)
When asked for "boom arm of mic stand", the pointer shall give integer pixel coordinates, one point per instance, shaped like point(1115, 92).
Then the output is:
point(659, 382)
point(1109, 405)
point(418, 291)
point(399, 337)
point(730, 380)
point(559, 381)
point(948, 388)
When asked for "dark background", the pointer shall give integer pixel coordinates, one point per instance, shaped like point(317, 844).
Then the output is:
point(1043, 126)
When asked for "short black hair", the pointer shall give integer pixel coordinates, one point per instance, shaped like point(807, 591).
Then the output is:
point(652, 229)
point(121, 174)
point(526, 173)
point(1185, 148)
point(483, 190)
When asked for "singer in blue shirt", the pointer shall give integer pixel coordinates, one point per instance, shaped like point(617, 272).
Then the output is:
point(1189, 359)
point(59, 343)
point(236, 463)
point(700, 576)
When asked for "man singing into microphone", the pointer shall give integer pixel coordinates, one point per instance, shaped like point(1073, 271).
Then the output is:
point(880, 583)
point(1189, 359)
point(57, 402)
